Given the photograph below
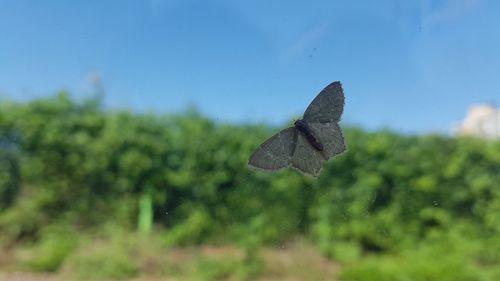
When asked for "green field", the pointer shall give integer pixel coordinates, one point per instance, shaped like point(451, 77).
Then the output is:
point(89, 193)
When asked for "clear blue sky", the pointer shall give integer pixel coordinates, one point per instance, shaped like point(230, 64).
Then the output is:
point(413, 66)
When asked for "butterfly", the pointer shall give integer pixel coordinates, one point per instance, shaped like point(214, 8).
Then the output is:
point(311, 141)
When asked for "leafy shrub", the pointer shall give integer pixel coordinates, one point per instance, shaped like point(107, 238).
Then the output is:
point(52, 250)
point(447, 256)
point(191, 231)
point(104, 263)
point(73, 162)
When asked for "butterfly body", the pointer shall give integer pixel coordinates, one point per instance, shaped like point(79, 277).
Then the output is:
point(306, 130)
point(311, 141)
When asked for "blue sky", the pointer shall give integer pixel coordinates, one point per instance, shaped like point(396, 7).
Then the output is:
point(413, 66)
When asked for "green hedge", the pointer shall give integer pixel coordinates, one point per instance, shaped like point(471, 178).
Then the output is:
point(67, 162)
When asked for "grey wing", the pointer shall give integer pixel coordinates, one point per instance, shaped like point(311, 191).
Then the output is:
point(307, 159)
point(327, 106)
point(276, 152)
point(331, 137)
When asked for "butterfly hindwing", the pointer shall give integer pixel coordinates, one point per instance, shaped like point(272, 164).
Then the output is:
point(327, 106)
point(330, 136)
point(276, 152)
point(307, 159)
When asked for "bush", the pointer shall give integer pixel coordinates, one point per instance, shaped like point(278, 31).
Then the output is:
point(451, 256)
point(72, 162)
point(104, 263)
point(52, 250)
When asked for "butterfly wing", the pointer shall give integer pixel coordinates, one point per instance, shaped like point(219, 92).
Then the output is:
point(331, 137)
point(307, 159)
point(328, 105)
point(291, 148)
point(275, 153)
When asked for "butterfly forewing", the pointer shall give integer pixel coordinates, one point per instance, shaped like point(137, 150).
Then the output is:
point(276, 153)
point(328, 106)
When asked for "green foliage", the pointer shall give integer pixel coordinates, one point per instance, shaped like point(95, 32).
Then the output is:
point(9, 162)
point(105, 255)
point(103, 265)
point(214, 269)
point(391, 191)
point(414, 268)
point(64, 162)
point(209, 268)
point(52, 250)
point(9, 177)
point(191, 231)
point(444, 257)
point(250, 267)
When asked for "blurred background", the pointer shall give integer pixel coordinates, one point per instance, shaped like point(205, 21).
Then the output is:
point(126, 127)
